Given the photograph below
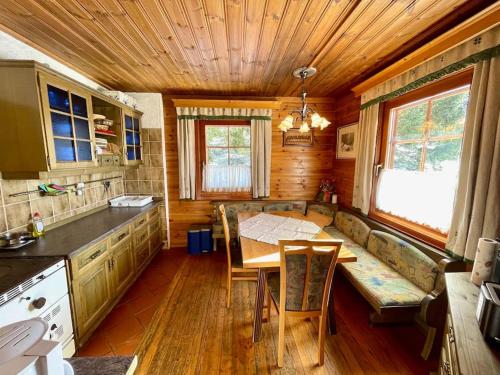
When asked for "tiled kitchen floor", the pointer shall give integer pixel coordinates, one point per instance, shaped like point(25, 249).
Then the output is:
point(122, 330)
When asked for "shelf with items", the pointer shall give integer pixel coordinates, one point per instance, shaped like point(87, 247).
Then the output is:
point(108, 132)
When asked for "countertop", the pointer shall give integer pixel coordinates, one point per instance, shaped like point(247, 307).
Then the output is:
point(69, 239)
point(475, 356)
point(103, 365)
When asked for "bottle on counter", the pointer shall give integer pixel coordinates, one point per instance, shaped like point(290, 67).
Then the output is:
point(38, 227)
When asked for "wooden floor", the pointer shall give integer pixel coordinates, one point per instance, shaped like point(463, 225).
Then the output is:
point(192, 332)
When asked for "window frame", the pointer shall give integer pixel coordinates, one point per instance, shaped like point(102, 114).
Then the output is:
point(201, 157)
point(419, 231)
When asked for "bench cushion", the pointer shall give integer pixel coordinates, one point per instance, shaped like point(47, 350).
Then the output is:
point(353, 227)
point(285, 206)
point(376, 281)
point(404, 258)
point(324, 209)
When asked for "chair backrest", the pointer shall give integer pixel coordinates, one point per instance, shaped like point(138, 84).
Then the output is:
point(227, 235)
point(306, 271)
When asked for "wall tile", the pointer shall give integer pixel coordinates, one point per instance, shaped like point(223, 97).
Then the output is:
point(43, 206)
point(155, 135)
point(12, 187)
point(60, 204)
point(143, 173)
point(131, 174)
point(156, 174)
point(145, 187)
point(76, 201)
point(18, 214)
point(157, 187)
point(156, 160)
point(132, 187)
point(155, 148)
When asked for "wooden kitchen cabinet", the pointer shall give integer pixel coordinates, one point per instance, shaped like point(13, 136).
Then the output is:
point(92, 294)
point(123, 267)
point(102, 273)
point(46, 121)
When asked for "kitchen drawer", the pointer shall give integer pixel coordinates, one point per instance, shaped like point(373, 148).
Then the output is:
point(87, 257)
point(116, 160)
point(105, 160)
point(154, 227)
point(140, 221)
point(154, 214)
point(141, 255)
point(120, 236)
point(52, 289)
point(140, 235)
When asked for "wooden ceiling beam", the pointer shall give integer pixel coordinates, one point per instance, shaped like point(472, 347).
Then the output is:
point(227, 103)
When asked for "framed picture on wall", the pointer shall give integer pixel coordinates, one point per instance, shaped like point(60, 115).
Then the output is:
point(295, 138)
point(346, 141)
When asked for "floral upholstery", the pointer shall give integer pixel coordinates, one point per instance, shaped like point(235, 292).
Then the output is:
point(295, 281)
point(404, 258)
point(286, 206)
point(381, 285)
point(323, 209)
point(352, 227)
point(377, 281)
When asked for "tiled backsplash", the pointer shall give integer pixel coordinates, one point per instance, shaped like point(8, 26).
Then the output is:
point(148, 178)
point(15, 212)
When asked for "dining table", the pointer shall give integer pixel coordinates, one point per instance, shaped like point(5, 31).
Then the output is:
point(265, 257)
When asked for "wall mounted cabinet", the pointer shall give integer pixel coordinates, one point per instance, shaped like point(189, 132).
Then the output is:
point(46, 121)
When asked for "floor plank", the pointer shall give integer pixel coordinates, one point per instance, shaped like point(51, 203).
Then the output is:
point(192, 332)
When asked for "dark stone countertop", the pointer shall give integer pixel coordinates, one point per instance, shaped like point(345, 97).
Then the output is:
point(103, 365)
point(69, 239)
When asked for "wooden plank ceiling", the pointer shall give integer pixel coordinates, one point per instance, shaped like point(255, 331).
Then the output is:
point(225, 47)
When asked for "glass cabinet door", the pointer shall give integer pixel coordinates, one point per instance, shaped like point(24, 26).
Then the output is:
point(133, 138)
point(69, 127)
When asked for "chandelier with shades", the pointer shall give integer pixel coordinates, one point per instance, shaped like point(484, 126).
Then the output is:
point(307, 117)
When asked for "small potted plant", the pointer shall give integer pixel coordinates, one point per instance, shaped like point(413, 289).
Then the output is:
point(327, 191)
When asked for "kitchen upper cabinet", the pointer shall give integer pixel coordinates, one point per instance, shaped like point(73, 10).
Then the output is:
point(68, 124)
point(46, 122)
point(133, 138)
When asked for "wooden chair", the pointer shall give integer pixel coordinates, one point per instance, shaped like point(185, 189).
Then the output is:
point(235, 270)
point(302, 287)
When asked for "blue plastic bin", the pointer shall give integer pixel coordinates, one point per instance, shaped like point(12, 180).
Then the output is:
point(194, 240)
point(206, 238)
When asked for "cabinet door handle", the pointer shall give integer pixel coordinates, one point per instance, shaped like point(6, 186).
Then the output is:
point(95, 255)
point(122, 236)
point(109, 265)
point(451, 335)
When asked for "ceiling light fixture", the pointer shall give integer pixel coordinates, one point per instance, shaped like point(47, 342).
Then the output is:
point(305, 116)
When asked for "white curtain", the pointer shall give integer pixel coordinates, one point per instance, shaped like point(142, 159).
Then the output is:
point(477, 207)
point(186, 154)
point(365, 156)
point(423, 197)
point(227, 178)
point(261, 141)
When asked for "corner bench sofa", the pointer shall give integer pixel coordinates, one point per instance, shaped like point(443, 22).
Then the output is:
point(397, 279)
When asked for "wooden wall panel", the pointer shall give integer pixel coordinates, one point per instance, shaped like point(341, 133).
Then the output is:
point(295, 171)
point(347, 112)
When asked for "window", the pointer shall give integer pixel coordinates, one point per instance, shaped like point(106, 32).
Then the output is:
point(225, 159)
point(419, 158)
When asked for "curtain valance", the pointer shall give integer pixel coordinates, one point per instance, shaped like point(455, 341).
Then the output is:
point(480, 48)
point(192, 113)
